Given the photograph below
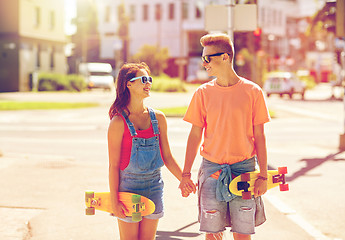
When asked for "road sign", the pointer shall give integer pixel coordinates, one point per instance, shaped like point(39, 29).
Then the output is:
point(217, 18)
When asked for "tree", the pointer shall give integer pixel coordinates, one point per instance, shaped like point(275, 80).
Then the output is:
point(156, 58)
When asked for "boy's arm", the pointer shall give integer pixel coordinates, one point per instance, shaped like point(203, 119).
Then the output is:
point(193, 145)
point(261, 152)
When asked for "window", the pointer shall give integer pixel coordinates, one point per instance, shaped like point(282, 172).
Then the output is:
point(107, 14)
point(184, 10)
point(37, 17)
point(171, 11)
point(52, 62)
point(132, 12)
point(52, 20)
point(145, 12)
point(38, 56)
point(198, 9)
point(158, 12)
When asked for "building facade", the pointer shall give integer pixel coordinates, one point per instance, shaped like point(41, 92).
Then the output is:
point(179, 24)
point(32, 39)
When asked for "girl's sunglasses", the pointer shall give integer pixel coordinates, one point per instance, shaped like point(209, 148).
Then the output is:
point(144, 79)
point(207, 58)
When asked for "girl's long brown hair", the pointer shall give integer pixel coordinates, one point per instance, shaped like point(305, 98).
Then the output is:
point(126, 73)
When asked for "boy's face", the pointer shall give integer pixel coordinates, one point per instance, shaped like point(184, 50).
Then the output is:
point(211, 63)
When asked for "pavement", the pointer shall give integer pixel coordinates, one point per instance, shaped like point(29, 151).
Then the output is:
point(43, 198)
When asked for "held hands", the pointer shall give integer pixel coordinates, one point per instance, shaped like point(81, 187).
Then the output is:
point(260, 187)
point(186, 185)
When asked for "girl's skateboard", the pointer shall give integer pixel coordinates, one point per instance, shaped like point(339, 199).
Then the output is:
point(137, 205)
point(243, 185)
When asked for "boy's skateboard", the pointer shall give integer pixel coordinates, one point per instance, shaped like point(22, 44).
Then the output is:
point(243, 185)
point(137, 205)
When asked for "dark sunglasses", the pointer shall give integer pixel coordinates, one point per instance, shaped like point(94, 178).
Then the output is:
point(144, 79)
point(207, 58)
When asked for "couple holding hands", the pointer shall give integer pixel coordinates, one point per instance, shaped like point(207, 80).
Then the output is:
point(227, 116)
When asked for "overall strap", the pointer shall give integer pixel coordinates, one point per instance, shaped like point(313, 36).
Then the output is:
point(129, 124)
point(154, 121)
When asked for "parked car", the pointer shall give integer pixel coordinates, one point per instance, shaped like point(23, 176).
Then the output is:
point(97, 75)
point(284, 83)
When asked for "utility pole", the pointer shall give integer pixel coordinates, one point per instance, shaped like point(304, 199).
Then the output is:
point(340, 32)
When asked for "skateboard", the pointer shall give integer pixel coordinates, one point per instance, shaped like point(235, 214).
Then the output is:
point(243, 185)
point(137, 205)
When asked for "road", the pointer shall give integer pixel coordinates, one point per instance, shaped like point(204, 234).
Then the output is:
point(49, 145)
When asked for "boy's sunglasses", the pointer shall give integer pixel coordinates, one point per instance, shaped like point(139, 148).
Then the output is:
point(144, 79)
point(207, 58)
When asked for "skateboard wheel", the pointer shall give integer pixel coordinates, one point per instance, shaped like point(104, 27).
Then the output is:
point(89, 194)
point(245, 177)
point(90, 211)
point(136, 217)
point(246, 195)
point(284, 187)
point(282, 170)
point(136, 199)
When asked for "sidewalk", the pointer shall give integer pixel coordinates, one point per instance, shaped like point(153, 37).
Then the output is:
point(43, 198)
point(53, 205)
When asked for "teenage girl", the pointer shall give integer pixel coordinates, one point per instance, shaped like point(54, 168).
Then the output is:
point(138, 148)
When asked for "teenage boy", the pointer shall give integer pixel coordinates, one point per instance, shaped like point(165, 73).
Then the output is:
point(229, 112)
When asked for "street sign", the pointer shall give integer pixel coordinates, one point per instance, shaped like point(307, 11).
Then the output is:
point(217, 17)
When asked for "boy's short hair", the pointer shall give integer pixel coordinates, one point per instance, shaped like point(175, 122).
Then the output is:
point(220, 41)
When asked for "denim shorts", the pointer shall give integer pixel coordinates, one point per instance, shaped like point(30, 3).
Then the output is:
point(239, 214)
point(147, 185)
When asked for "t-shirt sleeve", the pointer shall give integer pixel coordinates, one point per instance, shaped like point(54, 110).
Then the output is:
point(195, 112)
point(260, 114)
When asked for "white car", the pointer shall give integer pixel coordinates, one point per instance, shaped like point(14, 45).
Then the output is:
point(97, 75)
point(284, 83)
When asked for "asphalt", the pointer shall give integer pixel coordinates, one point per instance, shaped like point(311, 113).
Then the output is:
point(44, 199)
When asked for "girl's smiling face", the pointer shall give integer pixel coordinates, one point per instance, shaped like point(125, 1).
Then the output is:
point(137, 87)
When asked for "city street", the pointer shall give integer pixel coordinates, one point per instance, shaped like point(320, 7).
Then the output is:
point(49, 157)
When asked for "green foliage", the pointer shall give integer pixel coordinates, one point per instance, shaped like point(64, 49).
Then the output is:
point(59, 82)
point(156, 58)
point(15, 105)
point(163, 83)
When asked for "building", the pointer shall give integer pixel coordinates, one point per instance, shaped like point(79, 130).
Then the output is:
point(32, 39)
point(179, 24)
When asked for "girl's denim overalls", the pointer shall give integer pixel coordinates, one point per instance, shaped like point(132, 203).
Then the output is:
point(143, 173)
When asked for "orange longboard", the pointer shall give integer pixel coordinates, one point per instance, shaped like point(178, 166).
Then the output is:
point(243, 185)
point(137, 205)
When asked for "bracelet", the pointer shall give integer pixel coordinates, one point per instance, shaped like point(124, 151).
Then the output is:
point(262, 178)
point(186, 174)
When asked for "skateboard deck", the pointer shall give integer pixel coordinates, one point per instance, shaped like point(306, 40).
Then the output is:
point(243, 185)
point(137, 205)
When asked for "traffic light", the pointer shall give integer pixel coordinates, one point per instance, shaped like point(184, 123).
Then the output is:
point(257, 39)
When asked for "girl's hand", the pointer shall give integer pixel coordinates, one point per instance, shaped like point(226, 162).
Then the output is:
point(119, 210)
point(187, 186)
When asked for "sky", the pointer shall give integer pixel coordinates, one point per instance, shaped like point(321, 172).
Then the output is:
point(70, 13)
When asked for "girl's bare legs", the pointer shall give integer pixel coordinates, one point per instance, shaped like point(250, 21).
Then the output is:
point(144, 230)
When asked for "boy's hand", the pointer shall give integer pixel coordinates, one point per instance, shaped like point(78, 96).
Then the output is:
point(260, 187)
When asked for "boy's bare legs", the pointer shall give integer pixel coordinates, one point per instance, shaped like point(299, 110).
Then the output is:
point(219, 236)
point(214, 236)
point(238, 236)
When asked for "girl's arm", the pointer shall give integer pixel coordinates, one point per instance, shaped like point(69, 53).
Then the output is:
point(115, 134)
point(193, 144)
point(168, 158)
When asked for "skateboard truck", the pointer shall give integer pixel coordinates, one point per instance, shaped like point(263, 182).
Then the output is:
point(244, 185)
